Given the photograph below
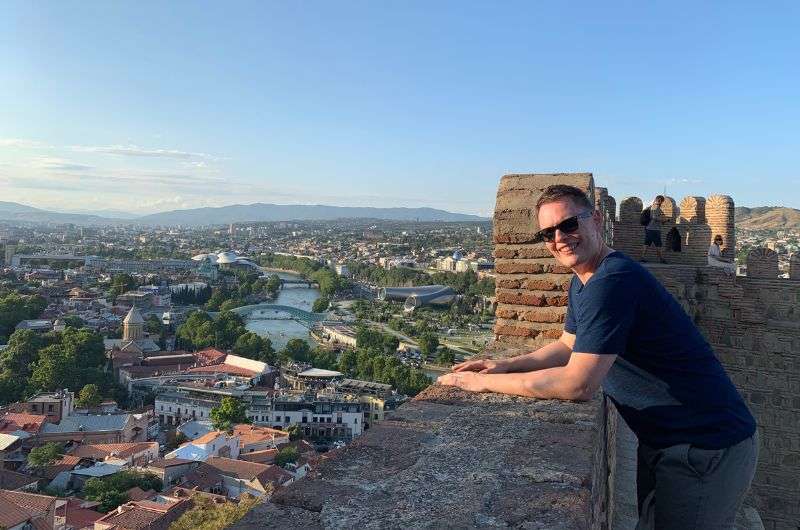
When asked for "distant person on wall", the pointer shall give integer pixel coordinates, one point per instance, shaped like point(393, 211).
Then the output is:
point(698, 445)
point(652, 218)
point(715, 258)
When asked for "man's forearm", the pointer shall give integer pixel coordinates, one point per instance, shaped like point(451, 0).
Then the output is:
point(554, 354)
point(548, 383)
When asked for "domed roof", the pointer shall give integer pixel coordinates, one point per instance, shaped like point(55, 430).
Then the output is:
point(203, 257)
point(227, 257)
point(458, 255)
point(133, 317)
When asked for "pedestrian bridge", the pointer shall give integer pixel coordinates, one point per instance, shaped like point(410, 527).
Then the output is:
point(278, 312)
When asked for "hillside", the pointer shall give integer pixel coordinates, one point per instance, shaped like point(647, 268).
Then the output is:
point(261, 212)
point(237, 213)
point(767, 218)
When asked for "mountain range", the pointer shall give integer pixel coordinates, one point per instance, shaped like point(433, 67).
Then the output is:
point(237, 213)
point(767, 218)
point(758, 218)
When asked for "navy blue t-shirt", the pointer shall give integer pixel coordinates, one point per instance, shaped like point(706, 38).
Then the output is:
point(666, 381)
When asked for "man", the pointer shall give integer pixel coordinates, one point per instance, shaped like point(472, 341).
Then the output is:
point(715, 258)
point(697, 440)
point(652, 231)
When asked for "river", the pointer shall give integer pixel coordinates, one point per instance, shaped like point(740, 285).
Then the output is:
point(281, 331)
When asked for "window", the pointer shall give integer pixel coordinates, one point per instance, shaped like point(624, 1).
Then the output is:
point(305, 419)
point(355, 420)
point(50, 408)
point(338, 419)
point(162, 407)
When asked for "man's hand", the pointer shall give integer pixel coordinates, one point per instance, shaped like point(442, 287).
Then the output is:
point(470, 381)
point(484, 366)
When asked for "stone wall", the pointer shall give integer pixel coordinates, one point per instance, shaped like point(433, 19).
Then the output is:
point(697, 220)
point(753, 323)
point(531, 287)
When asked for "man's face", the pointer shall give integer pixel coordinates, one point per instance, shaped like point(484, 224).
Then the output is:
point(659, 202)
point(578, 247)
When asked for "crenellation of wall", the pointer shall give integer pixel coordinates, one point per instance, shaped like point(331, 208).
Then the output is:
point(762, 263)
point(531, 285)
point(794, 266)
point(697, 220)
point(719, 215)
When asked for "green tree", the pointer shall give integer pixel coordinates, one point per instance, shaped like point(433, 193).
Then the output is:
point(22, 351)
point(229, 413)
point(209, 515)
point(231, 303)
point(428, 343)
point(446, 357)
point(324, 359)
point(273, 285)
point(253, 346)
point(122, 283)
point(110, 500)
point(298, 350)
point(153, 324)
point(110, 491)
point(14, 308)
point(43, 456)
point(286, 455)
point(321, 304)
point(228, 327)
point(348, 363)
point(89, 396)
point(53, 370)
point(295, 432)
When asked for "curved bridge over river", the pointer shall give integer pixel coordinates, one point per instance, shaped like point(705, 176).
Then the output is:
point(268, 312)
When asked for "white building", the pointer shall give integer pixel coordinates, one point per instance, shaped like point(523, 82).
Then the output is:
point(215, 443)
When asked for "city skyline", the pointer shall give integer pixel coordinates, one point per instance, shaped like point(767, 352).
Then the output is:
point(147, 107)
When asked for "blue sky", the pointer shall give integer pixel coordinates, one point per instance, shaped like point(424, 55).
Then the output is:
point(147, 106)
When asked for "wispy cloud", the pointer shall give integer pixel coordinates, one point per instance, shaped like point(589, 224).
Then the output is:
point(21, 143)
point(683, 181)
point(136, 151)
point(57, 164)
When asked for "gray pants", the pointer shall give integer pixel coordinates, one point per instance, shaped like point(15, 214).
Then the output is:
point(683, 487)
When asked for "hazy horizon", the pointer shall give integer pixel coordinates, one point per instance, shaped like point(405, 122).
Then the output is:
point(150, 107)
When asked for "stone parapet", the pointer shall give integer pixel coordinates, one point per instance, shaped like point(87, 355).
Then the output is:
point(451, 459)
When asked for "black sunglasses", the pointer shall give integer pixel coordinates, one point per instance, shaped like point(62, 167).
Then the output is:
point(567, 226)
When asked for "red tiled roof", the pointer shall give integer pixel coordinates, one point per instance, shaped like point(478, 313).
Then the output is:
point(266, 456)
point(252, 434)
point(10, 514)
point(236, 468)
point(78, 515)
point(145, 514)
point(138, 494)
point(120, 450)
point(207, 438)
point(203, 477)
point(18, 421)
point(31, 503)
point(224, 369)
point(169, 462)
point(275, 475)
point(65, 463)
point(209, 356)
